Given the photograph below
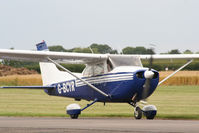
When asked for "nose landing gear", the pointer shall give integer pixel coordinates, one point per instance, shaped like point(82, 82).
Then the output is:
point(149, 111)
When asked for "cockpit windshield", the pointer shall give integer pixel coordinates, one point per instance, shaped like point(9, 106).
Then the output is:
point(93, 69)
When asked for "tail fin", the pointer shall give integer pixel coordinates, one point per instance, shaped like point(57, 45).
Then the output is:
point(49, 72)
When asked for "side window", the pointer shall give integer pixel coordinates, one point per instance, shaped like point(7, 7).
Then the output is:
point(88, 71)
point(94, 69)
point(99, 69)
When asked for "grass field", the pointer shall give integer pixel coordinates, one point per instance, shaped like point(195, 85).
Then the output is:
point(176, 102)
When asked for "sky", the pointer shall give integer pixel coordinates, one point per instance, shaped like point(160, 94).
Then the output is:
point(168, 24)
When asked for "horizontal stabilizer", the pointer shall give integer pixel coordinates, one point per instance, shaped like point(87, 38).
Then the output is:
point(27, 87)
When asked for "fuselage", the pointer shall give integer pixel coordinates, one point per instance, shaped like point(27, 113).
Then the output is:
point(122, 83)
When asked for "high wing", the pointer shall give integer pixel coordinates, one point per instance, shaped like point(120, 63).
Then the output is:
point(41, 56)
point(77, 58)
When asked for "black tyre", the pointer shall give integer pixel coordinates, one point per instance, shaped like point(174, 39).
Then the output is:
point(150, 115)
point(75, 116)
point(138, 113)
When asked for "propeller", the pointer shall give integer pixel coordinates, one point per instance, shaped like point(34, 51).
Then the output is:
point(148, 74)
point(150, 61)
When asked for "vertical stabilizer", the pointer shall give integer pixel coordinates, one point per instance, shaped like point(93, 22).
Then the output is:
point(49, 72)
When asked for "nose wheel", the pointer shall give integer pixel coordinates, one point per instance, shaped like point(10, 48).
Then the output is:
point(149, 111)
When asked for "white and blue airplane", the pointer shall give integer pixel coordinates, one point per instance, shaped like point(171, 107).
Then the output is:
point(106, 77)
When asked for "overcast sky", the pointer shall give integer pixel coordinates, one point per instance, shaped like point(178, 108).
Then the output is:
point(169, 24)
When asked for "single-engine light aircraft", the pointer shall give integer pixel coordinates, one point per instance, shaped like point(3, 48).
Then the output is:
point(106, 77)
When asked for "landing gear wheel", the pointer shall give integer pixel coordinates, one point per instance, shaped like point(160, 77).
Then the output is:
point(137, 113)
point(150, 115)
point(150, 111)
point(74, 110)
point(74, 116)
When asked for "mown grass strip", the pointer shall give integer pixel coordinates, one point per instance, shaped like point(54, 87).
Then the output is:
point(173, 102)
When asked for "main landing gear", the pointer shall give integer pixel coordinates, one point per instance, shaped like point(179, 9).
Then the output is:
point(137, 112)
point(149, 111)
point(74, 110)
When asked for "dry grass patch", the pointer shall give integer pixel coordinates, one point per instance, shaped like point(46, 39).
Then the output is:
point(181, 78)
point(181, 73)
point(17, 80)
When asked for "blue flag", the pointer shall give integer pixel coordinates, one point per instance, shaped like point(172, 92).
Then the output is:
point(41, 46)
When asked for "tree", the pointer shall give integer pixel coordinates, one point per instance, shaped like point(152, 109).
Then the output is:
point(174, 51)
point(96, 48)
point(140, 50)
point(150, 51)
point(137, 50)
point(81, 50)
point(114, 52)
point(102, 48)
point(187, 52)
point(128, 50)
point(57, 48)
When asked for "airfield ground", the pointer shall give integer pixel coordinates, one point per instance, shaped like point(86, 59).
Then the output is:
point(173, 102)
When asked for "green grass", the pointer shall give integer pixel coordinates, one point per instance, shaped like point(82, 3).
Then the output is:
point(176, 102)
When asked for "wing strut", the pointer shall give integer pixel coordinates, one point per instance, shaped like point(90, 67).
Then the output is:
point(90, 85)
point(176, 71)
